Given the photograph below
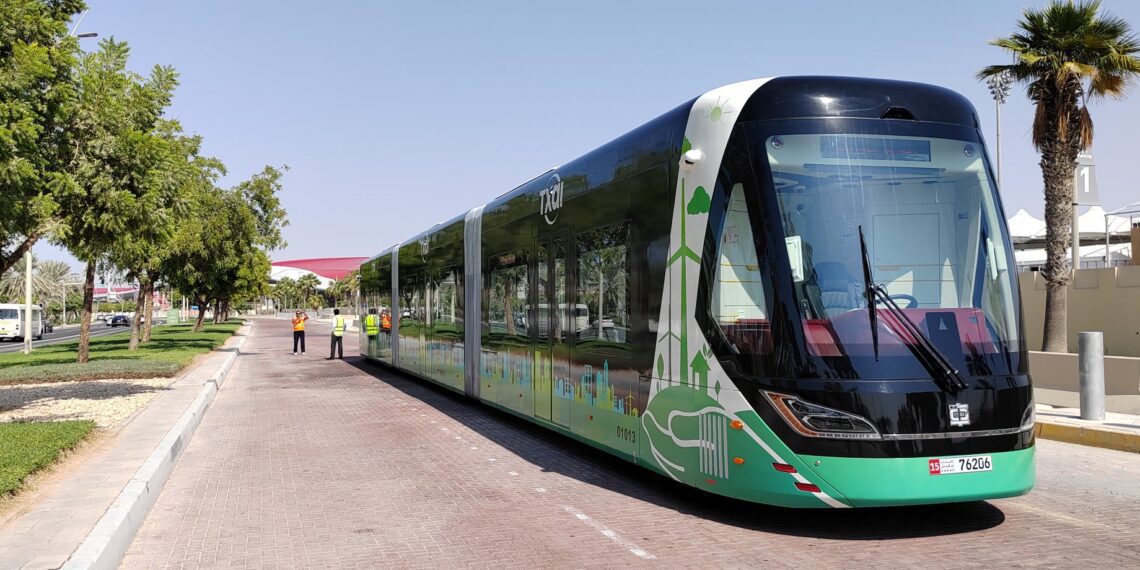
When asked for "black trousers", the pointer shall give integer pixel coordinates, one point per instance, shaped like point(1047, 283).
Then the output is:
point(299, 335)
point(337, 346)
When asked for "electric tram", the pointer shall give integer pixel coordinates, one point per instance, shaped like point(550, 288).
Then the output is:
point(797, 291)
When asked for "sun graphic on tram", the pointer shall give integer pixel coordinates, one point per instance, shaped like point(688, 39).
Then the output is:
point(715, 112)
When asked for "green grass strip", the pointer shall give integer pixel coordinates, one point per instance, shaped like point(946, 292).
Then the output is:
point(170, 349)
point(28, 447)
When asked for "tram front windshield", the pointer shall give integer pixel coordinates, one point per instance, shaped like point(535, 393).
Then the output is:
point(923, 210)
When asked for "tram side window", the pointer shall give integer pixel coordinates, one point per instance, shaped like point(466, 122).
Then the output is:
point(737, 301)
point(411, 301)
point(507, 296)
point(445, 304)
point(601, 316)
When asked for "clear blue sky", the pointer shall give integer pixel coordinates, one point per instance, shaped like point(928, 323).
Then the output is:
point(394, 116)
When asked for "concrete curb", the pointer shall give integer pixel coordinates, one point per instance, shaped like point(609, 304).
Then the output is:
point(1107, 438)
point(107, 543)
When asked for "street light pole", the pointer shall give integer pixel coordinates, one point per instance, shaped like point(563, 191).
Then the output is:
point(999, 87)
point(28, 301)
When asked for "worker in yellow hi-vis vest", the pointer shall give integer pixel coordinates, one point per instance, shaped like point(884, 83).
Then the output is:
point(337, 346)
point(372, 330)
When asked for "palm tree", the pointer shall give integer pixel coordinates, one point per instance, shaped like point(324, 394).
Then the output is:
point(48, 281)
point(286, 290)
point(344, 288)
point(1065, 54)
point(308, 283)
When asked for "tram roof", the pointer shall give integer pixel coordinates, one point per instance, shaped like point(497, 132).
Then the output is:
point(796, 97)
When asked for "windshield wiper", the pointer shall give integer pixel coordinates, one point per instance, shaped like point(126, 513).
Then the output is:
point(868, 289)
point(932, 359)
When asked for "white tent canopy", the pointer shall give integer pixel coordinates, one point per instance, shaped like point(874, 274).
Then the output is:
point(1096, 222)
point(1093, 224)
point(1089, 253)
point(1023, 226)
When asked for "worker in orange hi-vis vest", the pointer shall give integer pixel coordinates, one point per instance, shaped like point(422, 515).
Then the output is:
point(299, 330)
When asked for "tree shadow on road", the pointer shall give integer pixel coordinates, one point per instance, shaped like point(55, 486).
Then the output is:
point(557, 453)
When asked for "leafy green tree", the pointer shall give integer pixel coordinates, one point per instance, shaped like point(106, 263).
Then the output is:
point(1066, 54)
point(37, 58)
point(116, 144)
point(216, 250)
point(140, 249)
point(252, 281)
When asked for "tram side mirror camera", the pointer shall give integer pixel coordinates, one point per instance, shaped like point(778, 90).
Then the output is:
point(691, 158)
point(796, 257)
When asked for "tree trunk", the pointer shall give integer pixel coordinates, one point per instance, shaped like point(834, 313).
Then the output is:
point(136, 325)
point(148, 311)
point(201, 313)
point(85, 318)
point(509, 304)
point(1058, 163)
point(225, 310)
point(217, 311)
point(9, 261)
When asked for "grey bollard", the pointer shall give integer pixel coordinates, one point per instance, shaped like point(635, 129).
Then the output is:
point(1090, 351)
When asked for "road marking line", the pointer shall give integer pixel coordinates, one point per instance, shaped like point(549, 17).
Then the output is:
point(610, 534)
point(540, 489)
point(511, 473)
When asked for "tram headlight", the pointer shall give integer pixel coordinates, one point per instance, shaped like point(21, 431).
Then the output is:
point(1029, 418)
point(814, 420)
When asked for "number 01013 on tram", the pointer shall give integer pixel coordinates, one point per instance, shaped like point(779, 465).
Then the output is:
point(796, 291)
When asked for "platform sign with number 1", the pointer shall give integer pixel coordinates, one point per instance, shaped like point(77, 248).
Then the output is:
point(1087, 193)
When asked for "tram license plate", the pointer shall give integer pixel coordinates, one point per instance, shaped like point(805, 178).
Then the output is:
point(955, 465)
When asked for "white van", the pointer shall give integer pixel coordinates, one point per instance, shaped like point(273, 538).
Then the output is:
point(12, 321)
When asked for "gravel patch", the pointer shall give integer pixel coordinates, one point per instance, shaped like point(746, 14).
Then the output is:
point(106, 402)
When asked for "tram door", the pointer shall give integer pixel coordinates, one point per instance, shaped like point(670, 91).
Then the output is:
point(552, 391)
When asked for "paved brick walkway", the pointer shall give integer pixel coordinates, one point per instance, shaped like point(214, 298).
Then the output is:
point(303, 462)
point(58, 517)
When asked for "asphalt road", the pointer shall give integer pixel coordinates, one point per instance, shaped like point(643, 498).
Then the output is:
point(60, 335)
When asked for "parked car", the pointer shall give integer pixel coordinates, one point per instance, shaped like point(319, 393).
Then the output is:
point(119, 320)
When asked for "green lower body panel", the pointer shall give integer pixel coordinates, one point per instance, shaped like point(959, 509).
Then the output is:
point(909, 481)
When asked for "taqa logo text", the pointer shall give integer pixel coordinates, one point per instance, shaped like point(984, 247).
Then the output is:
point(550, 199)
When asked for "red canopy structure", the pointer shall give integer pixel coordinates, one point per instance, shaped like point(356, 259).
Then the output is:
point(328, 267)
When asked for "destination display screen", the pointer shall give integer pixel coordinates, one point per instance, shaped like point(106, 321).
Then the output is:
point(863, 148)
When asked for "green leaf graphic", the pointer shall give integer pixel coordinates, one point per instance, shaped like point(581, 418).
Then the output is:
point(700, 203)
point(686, 146)
point(660, 366)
